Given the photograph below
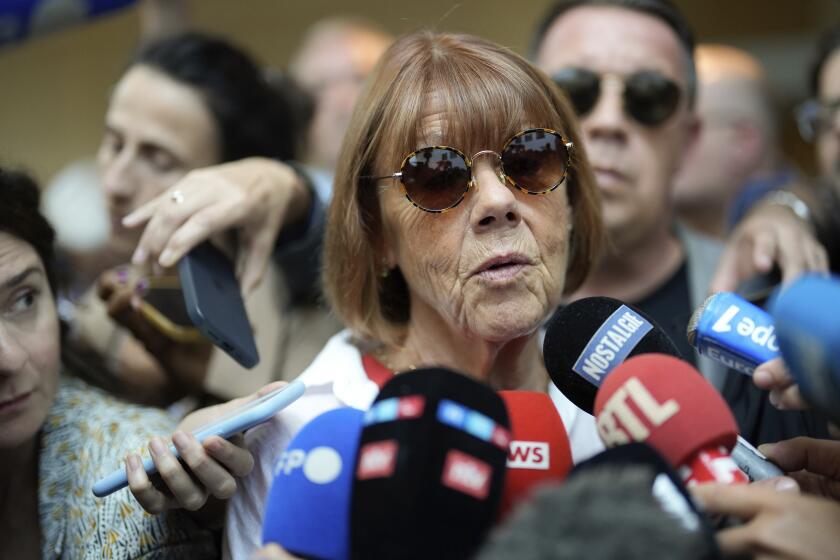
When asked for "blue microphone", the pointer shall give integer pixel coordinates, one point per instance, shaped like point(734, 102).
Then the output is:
point(729, 329)
point(308, 506)
point(807, 315)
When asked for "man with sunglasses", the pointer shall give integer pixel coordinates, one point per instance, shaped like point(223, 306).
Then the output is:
point(628, 69)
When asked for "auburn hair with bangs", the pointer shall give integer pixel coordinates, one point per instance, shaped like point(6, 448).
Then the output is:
point(487, 93)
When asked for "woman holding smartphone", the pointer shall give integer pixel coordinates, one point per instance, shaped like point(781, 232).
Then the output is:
point(196, 115)
point(58, 435)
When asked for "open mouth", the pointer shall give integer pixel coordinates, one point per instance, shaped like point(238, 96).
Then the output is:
point(503, 267)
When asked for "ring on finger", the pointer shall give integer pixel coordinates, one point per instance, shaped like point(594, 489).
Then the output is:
point(176, 196)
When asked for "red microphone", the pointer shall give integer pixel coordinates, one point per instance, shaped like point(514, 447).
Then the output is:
point(539, 449)
point(666, 403)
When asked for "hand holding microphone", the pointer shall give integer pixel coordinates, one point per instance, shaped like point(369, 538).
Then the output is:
point(777, 524)
point(807, 317)
point(774, 376)
point(813, 463)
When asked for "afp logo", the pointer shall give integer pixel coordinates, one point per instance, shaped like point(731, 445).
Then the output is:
point(321, 465)
point(533, 455)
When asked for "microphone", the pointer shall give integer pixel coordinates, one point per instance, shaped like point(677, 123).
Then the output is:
point(753, 462)
point(587, 339)
point(666, 403)
point(308, 507)
point(729, 329)
point(625, 503)
point(539, 449)
point(430, 468)
point(807, 315)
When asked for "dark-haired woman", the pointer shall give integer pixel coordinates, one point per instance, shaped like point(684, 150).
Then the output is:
point(193, 117)
point(59, 435)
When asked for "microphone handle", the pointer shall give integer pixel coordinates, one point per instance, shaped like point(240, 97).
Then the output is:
point(754, 464)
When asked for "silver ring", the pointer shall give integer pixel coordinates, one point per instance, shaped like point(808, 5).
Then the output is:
point(177, 196)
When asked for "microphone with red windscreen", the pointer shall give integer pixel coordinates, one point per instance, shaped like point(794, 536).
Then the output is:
point(539, 448)
point(666, 403)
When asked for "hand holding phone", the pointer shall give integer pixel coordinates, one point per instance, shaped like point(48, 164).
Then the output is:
point(247, 416)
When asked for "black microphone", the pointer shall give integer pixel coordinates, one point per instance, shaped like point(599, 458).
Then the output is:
point(430, 468)
point(626, 503)
point(588, 338)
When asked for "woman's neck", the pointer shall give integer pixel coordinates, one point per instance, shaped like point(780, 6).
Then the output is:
point(20, 534)
point(430, 341)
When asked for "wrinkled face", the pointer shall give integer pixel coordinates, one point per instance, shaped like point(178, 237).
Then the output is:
point(634, 164)
point(334, 72)
point(828, 141)
point(494, 266)
point(29, 343)
point(156, 130)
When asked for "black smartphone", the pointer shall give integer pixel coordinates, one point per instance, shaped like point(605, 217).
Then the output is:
point(214, 303)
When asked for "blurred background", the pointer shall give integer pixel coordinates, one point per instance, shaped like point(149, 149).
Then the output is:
point(57, 62)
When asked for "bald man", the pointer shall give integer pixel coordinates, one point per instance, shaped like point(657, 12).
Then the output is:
point(737, 146)
point(335, 57)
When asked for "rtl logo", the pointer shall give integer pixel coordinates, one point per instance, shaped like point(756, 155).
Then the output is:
point(528, 455)
point(618, 423)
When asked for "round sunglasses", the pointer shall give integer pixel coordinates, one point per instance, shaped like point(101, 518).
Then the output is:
point(649, 97)
point(437, 178)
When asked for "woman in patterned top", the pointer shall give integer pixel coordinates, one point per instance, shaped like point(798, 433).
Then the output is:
point(58, 435)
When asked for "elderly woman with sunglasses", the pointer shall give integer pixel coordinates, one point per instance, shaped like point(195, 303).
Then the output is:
point(463, 209)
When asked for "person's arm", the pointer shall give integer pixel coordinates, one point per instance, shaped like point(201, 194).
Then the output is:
point(777, 230)
point(256, 196)
point(776, 524)
point(298, 252)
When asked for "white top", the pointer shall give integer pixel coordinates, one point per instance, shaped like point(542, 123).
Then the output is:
point(337, 378)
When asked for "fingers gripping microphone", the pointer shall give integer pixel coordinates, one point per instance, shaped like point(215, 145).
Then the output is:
point(588, 338)
point(807, 316)
point(308, 507)
point(430, 468)
point(539, 448)
point(666, 403)
point(729, 329)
